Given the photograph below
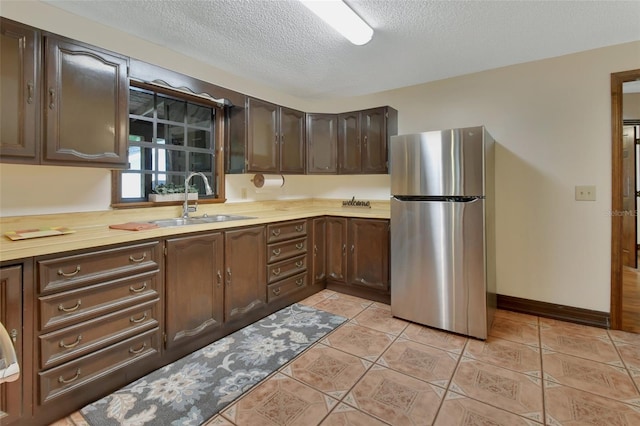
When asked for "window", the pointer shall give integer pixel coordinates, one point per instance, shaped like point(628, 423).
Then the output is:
point(170, 136)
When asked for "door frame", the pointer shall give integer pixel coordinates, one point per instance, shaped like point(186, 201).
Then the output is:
point(617, 79)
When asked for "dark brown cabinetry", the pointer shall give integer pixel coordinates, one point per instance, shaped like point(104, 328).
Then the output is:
point(336, 240)
point(318, 262)
point(286, 259)
point(194, 287)
point(363, 137)
point(11, 404)
point(358, 257)
point(275, 138)
point(20, 88)
point(77, 128)
point(49, 110)
point(244, 272)
point(99, 323)
point(322, 143)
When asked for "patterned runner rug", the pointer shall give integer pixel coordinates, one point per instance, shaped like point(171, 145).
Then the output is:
point(194, 388)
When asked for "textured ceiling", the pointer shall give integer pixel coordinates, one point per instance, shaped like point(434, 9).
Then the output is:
point(279, 43)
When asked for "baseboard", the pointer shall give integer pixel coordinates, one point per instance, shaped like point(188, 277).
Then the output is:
point(553, 311)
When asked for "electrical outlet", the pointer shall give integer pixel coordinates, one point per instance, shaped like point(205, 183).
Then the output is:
point(243, 193)
point(585, 193)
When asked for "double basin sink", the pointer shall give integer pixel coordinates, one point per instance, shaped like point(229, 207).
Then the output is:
point(198, 220)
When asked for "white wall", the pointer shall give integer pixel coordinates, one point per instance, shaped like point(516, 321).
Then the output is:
point(551, 119)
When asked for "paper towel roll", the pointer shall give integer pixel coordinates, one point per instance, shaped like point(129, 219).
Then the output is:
point(268, 181)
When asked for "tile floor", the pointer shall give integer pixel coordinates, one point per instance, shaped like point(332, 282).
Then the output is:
point(377, 370)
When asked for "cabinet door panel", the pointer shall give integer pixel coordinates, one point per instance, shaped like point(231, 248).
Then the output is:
point(79, 128)
point(322, 144)
point(336, 249)
point(245, 271)
point(263, 136)
point(349, 143)
point(368, 253)
point(20, 88)
point(11, 318)
point(194, 287)
point(374, 141)
point(292, 141)
point(318, 266)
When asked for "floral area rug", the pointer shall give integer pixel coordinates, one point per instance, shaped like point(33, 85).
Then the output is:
point(194, 388)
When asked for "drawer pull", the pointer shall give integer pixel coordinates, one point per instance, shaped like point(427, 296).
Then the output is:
point(137, 351)
point(71, 309)
point(71, 345)
point(219, 275)
point(299, 246)
point(299, 282)
point(276, 291)
point(299, 263)
point(228, 277)
point(135, 321)
point(70, 274)
point(276, 252)
point(315, 249)
point(299, 228)
point(353, 248)
point(133, 259)
point(65, 381)
point(275, 232)
point(138, 290)
point(30, 87)
point(276, 272)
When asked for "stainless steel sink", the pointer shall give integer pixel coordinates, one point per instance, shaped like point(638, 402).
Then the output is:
point(198, 220)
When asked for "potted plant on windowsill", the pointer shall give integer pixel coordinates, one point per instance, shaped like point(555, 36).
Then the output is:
point(170, 192)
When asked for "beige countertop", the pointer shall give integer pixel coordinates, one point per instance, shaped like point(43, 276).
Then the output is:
point(92, 228)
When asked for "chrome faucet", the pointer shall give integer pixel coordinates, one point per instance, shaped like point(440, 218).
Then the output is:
point(185, 207)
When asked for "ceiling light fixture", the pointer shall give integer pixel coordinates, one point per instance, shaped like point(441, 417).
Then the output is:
point(342, 18)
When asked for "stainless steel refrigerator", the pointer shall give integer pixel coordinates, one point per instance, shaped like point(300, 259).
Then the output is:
point(442, 229)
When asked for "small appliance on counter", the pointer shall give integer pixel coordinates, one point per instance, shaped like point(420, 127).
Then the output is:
point(442, 229)
point(9, 368)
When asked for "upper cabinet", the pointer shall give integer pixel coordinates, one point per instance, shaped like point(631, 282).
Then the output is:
point(363, 137)
point(322, 143)
point(86, 104)
point(20, 89)
point(275, 138)
point(68, 108)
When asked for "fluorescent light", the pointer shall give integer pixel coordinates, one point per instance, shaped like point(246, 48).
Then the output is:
point(342, 18)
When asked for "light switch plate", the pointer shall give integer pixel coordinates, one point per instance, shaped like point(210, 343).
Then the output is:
point(585, 193)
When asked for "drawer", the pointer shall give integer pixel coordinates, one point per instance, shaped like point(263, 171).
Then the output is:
point(286, 249)
point(91, 368)
point(72, 342)
point(286, 230)
point(286, 268)
point(285, 287)
point(63, 273)
point(70, 307)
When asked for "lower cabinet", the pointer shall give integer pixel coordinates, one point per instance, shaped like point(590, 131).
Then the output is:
point(357, 257)
point(244, 272)
point(11, 403)
point(318, 252)
point(194, 286)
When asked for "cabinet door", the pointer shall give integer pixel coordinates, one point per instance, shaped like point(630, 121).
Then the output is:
point(319, 262)
point(194, 287)
point(349, 148)
point(374, 140)
point(245, 271)
point(85, 105)
point(336, 249)
point(262, 136)
point(322, 143)
point(11, 318)
point(368, 253)
point(20, 88)
point(292, 141)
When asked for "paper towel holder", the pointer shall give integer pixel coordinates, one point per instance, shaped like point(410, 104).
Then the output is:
point(259, 180)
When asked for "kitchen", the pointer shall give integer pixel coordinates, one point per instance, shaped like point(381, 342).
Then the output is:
point(535, 110)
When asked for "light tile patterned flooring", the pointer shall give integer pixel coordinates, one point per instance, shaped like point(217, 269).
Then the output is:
point(377, 370)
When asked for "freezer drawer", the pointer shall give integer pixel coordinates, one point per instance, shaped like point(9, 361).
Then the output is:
point(438, 274)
